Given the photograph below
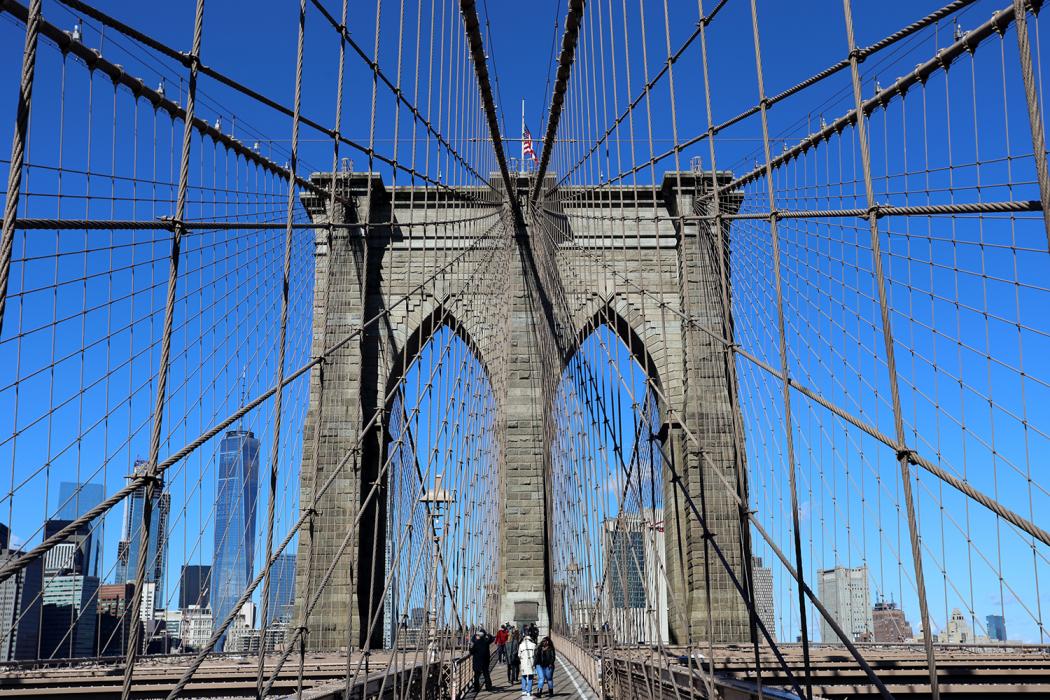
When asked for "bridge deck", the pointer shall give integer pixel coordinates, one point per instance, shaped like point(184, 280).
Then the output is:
point(567, 684)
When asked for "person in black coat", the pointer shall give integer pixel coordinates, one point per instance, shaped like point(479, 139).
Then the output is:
point(481, 658)
point(513, 662)
point(545, 658)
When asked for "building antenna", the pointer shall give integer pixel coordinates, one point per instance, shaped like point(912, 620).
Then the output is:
point(240, 421)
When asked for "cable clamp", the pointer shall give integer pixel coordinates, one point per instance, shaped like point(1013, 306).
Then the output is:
point(150, 477)
point(875, 209)
point(857, 54)
point(171, 223)
point(906, 453)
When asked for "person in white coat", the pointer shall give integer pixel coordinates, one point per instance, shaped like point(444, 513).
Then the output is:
point(527, 657)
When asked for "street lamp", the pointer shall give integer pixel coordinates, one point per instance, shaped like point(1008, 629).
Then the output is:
point(435, 499)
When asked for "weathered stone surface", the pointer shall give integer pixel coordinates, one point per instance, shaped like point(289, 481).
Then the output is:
point(535, 303)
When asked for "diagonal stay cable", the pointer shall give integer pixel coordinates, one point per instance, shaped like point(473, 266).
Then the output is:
point(573, 19)
point(469, 10)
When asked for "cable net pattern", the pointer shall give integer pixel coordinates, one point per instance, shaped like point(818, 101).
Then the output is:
point(743, 384)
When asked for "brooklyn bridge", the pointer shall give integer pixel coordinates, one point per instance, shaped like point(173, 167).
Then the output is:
point(323, 377)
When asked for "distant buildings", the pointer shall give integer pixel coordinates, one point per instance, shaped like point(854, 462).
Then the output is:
point(196, 628)
point(69, 617)
point(635, 577)
point(238, 637)
point(764, 595)
point(846, 595)
point(76, 499)
point(70, 596)
point(20, 606)
point(114, 624)
point(235, 506)
point(131, 541)
point(891, 627)
point(280, 606)
point(996, 627)
point(957, 631)
point(195, 586)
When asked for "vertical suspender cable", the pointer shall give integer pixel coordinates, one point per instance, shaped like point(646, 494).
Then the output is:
point(891, 363)
point(573, 19)
point(282, 333)
point(152, 472)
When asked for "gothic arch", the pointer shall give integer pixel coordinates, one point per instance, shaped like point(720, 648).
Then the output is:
point(423, 329)
point(628, 325)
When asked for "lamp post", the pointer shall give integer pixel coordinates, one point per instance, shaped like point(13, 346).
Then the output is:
point(573, 575)
point(434, 500)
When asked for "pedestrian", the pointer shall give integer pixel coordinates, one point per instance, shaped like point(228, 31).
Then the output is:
point(481, 658)
point(532, 631)
point(501, 643)
point(545, 666)
point(527, 656)
point(513, 662)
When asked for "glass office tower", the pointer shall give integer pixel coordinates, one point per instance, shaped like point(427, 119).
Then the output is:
point(236, 497)
point(157, 550)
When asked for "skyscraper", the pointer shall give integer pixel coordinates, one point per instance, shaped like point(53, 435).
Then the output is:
point(20, 606)
point(236, 494)
point(67, 627)
point(70, 615)
point(129, 545)
point(74, 554)
point(195, 586)
point(114, 625)
point(996, 627)
point(76, 499)
point(636, 577)
point(764, 595)
point(846, 595)
point(281, 603)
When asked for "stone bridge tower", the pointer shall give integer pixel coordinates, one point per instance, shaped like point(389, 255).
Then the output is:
point(622, 256)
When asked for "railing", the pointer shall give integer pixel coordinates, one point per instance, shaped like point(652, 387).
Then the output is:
point(587, 664)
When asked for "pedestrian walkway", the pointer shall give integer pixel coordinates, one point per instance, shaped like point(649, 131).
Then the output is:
point(567, 684)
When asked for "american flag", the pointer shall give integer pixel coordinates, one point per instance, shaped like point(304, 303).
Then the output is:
point(526, 146)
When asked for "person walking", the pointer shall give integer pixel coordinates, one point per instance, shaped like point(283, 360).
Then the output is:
point(501, 643)
point(545, 666)
point(527, 657)
point(513, 662)
point(481, 658)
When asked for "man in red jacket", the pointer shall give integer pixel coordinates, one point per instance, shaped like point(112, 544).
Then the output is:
point(501, 643)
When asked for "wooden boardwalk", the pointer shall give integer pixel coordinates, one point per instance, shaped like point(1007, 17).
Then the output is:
point(567, 684)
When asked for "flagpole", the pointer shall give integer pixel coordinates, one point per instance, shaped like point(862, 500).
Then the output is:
point(522, 164)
